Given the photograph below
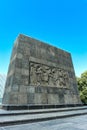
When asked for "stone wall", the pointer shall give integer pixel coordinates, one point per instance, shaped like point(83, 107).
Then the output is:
point(40, 74)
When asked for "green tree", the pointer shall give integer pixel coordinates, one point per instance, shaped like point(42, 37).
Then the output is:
point(82, 86)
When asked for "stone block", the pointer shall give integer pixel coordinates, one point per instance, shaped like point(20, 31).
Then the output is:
point(38, 98)
point(14, 98)
point(61, 98)
point(23, 89)
point(67, 99)
point(15, 88)
point(19, 56)
point(25, 63)
point(22, 98)
point(24, 80)
point(53, 99)
point(30, 89)
point(25, 72)
point(31, 99)
point(40, 74)
point(44, 98)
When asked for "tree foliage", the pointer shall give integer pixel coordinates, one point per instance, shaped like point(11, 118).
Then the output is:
point(82, 86)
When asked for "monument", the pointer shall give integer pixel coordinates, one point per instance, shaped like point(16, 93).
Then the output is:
point(39, 75)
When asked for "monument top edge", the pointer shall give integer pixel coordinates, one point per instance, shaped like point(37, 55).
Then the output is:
point(27, 38)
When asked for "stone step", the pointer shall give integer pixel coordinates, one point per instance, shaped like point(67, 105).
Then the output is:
point(25, 112)
point(30, 118)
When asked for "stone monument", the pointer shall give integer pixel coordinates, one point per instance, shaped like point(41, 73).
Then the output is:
point(39, 75)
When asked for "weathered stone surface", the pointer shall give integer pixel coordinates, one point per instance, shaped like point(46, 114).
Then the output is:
point(31, 98)
point(22, 98)
point(40, 74)
point(53, 99)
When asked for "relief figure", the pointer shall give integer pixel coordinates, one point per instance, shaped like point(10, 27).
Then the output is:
point(47, 76)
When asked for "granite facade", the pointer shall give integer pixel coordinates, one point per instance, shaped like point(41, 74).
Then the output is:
point(40, 74)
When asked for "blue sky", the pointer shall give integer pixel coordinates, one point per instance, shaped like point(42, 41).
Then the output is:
point(61, 23)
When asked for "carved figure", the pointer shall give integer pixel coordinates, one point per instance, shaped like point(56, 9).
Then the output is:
point(47, 76)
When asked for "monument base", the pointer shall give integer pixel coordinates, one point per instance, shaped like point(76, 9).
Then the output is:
point(31, 107)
